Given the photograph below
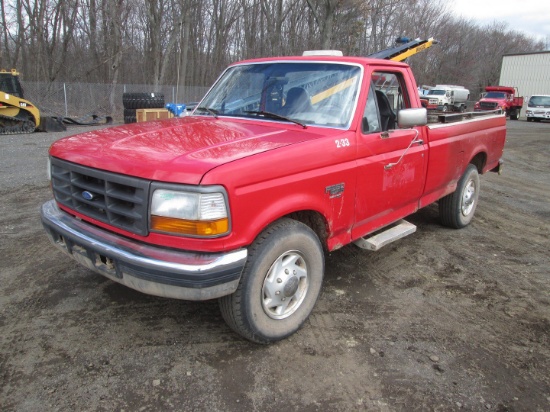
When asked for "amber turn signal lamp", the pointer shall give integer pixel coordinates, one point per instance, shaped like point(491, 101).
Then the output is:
point(189, 227)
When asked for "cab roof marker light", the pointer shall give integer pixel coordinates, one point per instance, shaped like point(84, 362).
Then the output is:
point(337, 53)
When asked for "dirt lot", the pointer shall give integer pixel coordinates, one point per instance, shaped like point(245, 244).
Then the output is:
point(441, 320)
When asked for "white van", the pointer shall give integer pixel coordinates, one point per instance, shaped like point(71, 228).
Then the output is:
point(538, 108)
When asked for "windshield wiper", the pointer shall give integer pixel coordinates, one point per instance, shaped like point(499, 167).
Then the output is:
point(213, 112)
point(275, 116)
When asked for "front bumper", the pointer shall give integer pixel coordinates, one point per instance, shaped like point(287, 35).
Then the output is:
point(149, 269)
point(538, 114)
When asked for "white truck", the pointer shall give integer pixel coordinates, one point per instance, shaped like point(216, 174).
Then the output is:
point(538, 108)
point(446, 98)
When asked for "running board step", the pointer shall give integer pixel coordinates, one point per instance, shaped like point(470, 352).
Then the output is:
point(401, 229)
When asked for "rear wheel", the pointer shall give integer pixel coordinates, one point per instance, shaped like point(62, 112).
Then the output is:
point(457, 209)
point(279, 285)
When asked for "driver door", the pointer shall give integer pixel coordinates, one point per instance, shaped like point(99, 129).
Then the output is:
point(391, 161)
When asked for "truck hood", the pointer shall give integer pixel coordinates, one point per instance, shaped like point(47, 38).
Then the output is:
point(178, 150)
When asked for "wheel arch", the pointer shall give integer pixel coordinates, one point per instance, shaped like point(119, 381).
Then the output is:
point(315, 221)
point(479, 161)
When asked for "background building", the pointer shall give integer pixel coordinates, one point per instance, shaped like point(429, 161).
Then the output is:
point(529, 72)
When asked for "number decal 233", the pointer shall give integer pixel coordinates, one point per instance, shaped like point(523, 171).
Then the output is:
point(341, 143)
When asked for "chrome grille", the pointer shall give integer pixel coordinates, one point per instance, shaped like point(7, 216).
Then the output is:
point(488, 105)
point(115, 199)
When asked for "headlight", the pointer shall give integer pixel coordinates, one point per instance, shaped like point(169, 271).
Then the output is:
point(189, 213)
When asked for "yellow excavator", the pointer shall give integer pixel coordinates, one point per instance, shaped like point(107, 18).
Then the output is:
point(17, 115)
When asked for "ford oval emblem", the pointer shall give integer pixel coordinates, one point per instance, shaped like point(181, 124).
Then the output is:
point(88, 195)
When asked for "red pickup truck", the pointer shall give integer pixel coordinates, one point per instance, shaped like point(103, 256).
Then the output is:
point(283, 160)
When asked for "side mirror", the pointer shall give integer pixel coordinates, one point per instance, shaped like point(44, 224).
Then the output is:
point(408, 118)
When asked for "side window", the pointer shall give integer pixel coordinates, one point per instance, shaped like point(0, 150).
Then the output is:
point(390, 97)
point(371, 121)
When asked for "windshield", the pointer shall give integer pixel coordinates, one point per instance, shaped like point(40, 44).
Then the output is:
point(539, 101)
point(322, 94)
point(437, 92)
point(495, 95)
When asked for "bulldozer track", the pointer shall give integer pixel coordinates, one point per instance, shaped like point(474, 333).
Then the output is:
point(14, 125)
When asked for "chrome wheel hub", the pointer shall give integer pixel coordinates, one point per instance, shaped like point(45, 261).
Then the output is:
point(285, 285)
point(468, 198)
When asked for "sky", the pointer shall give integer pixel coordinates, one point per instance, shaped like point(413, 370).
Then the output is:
point(531, 17)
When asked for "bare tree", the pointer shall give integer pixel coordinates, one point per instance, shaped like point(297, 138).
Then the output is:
point(324, 12)
point(189, 42)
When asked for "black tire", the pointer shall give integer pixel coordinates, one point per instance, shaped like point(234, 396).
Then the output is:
point(457, 209)
point(537, 119)
point(130, 119)
point(279, 285)
point(514, 115)
point(129, 112)
point(445, 108)
point(529, 119)
point(143, 100)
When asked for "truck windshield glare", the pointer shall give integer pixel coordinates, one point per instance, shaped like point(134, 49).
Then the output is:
point(539, 101)
point(495, 95)
point(321, 94)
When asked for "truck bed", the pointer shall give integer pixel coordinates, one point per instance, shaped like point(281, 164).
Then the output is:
point(458, 117)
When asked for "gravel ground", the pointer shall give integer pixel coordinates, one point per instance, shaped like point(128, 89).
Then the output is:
point(441, 320)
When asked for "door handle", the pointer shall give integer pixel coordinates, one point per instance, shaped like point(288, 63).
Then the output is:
point(415, 139)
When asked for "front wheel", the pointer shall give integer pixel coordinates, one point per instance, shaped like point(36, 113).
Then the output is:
point(457, 209)
point(279, 285)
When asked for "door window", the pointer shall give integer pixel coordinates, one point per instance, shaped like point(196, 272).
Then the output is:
point(387, 95)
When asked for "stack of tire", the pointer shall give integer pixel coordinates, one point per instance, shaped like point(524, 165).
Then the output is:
point(134, 101)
